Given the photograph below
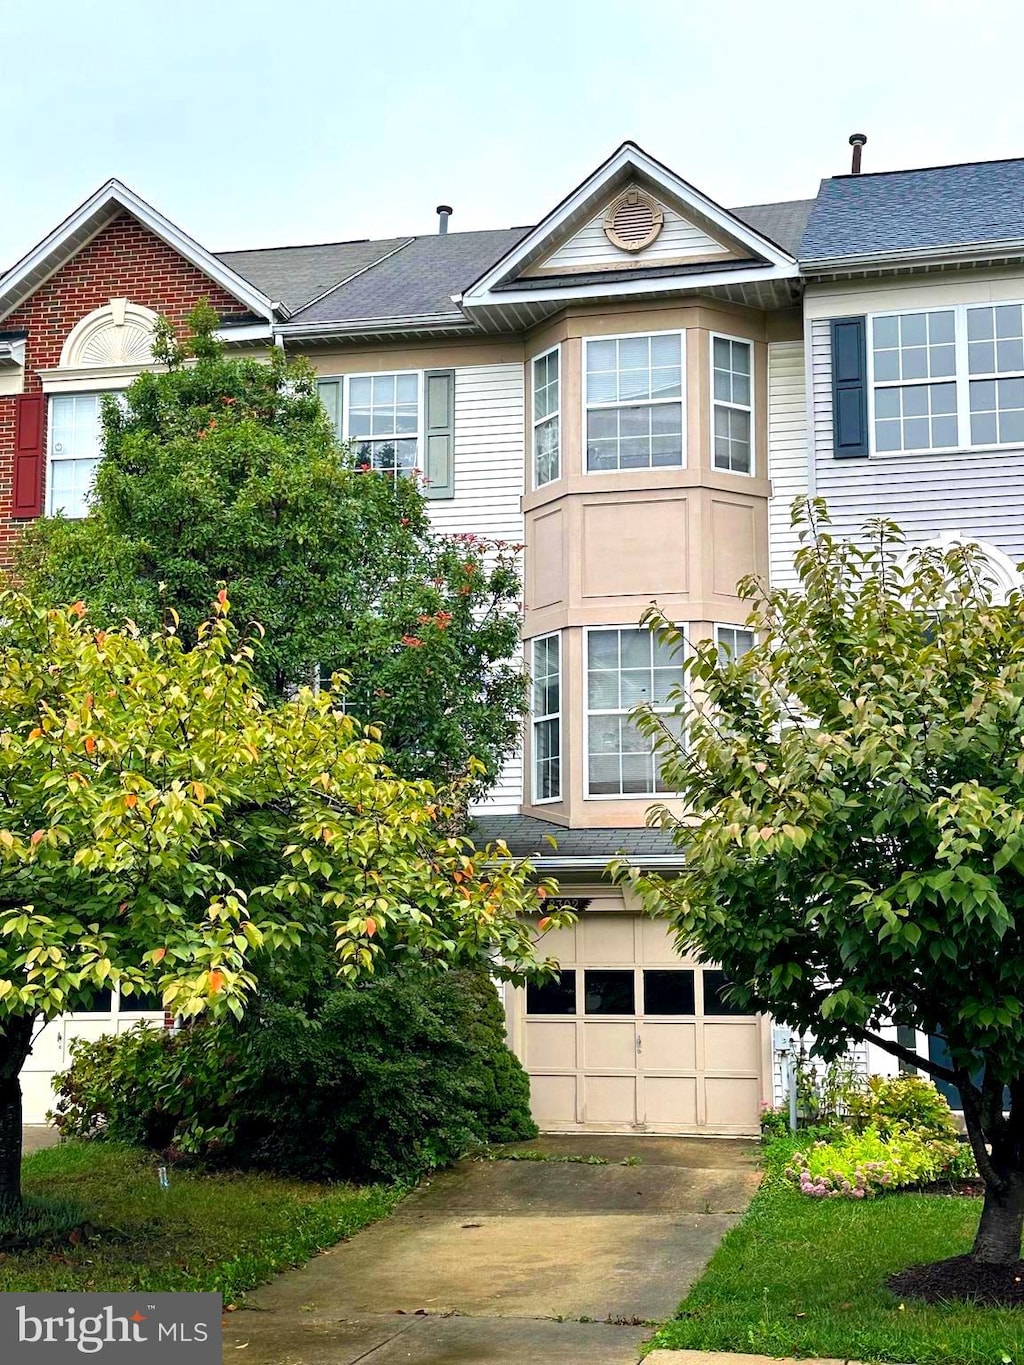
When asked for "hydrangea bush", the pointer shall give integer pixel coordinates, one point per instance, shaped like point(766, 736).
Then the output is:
point(861, 1165)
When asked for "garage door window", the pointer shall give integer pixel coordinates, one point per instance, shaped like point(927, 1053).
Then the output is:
point(715, 1002)
point(609, 992)
point(557, 996)
point(668, 992)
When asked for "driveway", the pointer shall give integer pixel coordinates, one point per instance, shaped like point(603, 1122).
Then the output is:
point(511, 1262)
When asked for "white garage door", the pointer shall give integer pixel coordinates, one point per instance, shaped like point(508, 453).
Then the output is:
point(631, 1037)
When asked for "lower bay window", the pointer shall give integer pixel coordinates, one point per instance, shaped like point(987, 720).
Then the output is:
point(546, 717)
point(626, 668)
point(733, 642)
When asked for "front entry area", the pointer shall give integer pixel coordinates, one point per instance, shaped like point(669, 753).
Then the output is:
point(634, 1038)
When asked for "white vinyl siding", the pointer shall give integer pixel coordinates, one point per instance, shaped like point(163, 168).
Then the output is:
point(546, 717)
point(787, 453)
point(591, 249)
point(74, 445)
point(489, 443)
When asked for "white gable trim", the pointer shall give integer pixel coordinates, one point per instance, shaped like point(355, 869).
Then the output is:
point(89, 219)
point(629, 157)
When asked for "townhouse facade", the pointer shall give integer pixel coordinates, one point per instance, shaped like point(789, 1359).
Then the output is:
point(635, 389)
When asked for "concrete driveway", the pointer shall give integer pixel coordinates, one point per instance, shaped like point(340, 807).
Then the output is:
point(511, 1262)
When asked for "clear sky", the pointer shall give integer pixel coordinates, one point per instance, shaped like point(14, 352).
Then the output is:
point(258, 124)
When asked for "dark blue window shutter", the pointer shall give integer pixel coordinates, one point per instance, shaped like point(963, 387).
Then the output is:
point(849, 388)
point(330, 395)
point(439, 462)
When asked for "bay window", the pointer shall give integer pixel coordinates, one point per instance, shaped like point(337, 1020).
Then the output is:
point(634, 401)
point(546, 718)
point(732, 381)
point(733, 642)
point(546, 419)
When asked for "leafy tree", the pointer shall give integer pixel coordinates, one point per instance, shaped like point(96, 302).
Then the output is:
point(226, 470)
point(162, 828)
point(855, 843)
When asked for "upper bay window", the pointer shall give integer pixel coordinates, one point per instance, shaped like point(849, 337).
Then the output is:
point(948, 378)
point(75, 446)
point(634, 401)
point(546, 419)
point(731, 367)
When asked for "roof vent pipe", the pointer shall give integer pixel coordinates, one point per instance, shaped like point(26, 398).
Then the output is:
point(857, 141)
point(444, 212)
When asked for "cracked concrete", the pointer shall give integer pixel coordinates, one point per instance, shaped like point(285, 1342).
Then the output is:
point(511, 1262)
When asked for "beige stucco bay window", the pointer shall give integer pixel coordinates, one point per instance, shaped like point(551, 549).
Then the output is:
point(546, 717)
point(633, 399)
point(626, 668)
point(546, 418)
point(733, 398)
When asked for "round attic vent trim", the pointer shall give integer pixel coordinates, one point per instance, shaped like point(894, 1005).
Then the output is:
point(633, 221)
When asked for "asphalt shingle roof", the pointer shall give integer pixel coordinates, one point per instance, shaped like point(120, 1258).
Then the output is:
point(294, 275)
point(781, 223)
point(939, 206)
point(527, 837)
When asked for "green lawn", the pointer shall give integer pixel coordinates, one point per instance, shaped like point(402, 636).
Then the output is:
point(221, 1232)
point(800, 1276)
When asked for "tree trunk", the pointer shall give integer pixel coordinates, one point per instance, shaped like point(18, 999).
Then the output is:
point(15, 1045)
point(1002, 1222)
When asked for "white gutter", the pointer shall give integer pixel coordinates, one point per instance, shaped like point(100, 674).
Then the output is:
point(664, 861)
point(410, 322)
point(939, 255)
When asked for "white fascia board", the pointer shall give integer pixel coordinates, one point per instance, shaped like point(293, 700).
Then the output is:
point(253, 331)
point(931, 255)
point(411, 323)
point(114, 192)
point(653, 862)
point(666, 284)
point(628, 155)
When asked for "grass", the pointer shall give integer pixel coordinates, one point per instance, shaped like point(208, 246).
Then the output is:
point(219, 1232)
point(806, 1277)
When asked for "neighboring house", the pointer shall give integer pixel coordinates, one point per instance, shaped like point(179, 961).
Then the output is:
point(626, 389)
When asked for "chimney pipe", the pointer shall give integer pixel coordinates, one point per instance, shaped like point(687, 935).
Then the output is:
point(444, 212)
point(857, 141)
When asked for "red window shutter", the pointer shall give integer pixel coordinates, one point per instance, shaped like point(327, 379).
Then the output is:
point(29, 451)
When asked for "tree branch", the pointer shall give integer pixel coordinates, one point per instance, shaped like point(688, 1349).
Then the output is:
point(906, 1054)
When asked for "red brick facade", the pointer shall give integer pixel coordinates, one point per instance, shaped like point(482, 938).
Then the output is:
point(124, 261)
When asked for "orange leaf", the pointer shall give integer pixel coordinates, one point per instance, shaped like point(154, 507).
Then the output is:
point(222, 596)
point(159, 954)
point(371, 927)
point(90, 744)
point(541, 892)
point(79, 609)
point(131, 800)
point(39, 833)
point(36, 733)
point(216, 981)
point(542, 924)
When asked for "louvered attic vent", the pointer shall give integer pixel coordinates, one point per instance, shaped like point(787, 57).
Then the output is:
point(633, 221)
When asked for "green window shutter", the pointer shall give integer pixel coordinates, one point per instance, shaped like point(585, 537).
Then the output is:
point(439, 462)
point(849, 388)
point(330, 395)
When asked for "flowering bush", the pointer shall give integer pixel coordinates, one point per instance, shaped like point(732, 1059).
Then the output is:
point(888, 1102)
point(860, 1165)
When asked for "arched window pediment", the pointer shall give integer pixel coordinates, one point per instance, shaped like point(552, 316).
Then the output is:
point(118, 334)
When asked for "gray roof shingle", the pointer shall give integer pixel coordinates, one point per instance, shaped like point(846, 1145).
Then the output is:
point(939, 206)
point(295, 275)
point(528, 837)
point(781, 223)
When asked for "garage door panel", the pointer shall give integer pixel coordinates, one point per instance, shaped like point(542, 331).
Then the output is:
point(656, 945)
point(730, 1101)
point(608, 939)
point(551, 1046)
point(609, 1099)
point(559, 943)
point(553, 1100)
point(668, 1047)
point(732, 1047)
point(609, 1047)
point(670, 1100)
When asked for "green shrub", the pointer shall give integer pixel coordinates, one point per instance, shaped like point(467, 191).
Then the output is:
point(388, 1079)
point(858, 1165)
point(888, 1102)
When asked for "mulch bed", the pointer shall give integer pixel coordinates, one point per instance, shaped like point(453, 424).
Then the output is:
point(962, 1278)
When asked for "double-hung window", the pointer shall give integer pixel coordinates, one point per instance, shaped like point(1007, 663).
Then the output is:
point(634, 401)
point(732, 381)
point(546, 674)
point(914, 368)
point(75, 442)
point(733, 642)
point(546, 419)
point(382, 420)
point(625, 669)
point(995, 364)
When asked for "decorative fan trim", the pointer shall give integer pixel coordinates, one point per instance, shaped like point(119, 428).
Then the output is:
point(118, 334)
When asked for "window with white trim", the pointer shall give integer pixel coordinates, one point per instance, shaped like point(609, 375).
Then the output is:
point(995, 363)
point(546, 719)
point(634, 407)
point(625, 669)
point(546, 418)
point(914, 369)
point(75, 439)
point(732, 384)
point(382, 420)
point(733, 642)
